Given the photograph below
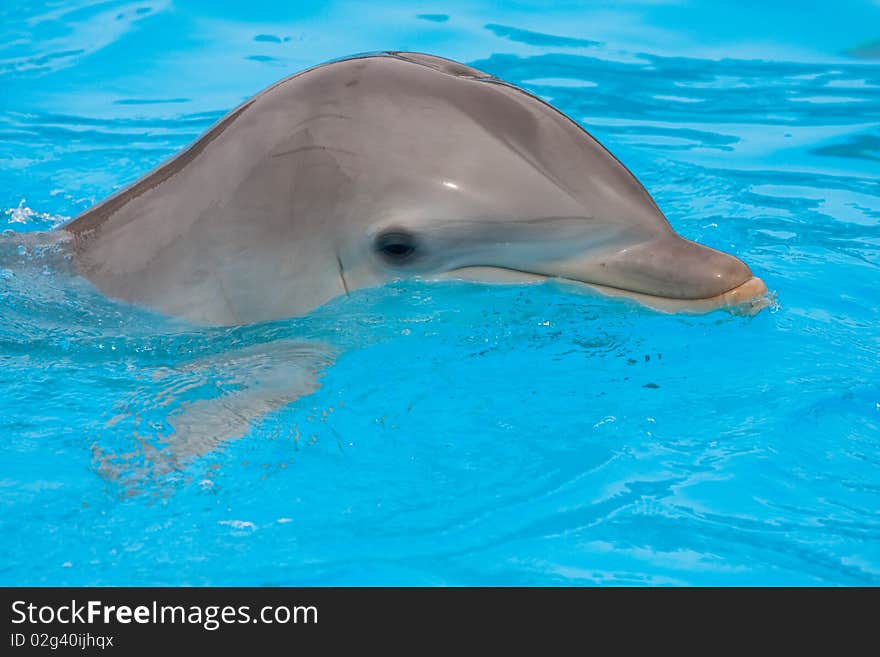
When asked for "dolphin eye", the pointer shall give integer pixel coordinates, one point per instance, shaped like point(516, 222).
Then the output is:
point(396, 246)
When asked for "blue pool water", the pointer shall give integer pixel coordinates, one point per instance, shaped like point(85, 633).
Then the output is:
point(461, 433)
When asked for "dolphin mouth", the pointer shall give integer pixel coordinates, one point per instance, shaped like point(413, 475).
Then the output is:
point(747, 298)
point(668, 273)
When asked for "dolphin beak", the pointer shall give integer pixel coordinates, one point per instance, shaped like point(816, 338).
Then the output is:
point(667, 273)
point(673, 274)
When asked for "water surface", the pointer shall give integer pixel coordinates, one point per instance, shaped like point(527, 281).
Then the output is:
point(460, 433)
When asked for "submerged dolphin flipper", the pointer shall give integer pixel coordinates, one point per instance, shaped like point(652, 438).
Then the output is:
point(188, 410)
point(378, 167)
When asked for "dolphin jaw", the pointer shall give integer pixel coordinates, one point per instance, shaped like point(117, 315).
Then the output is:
point(746, 298)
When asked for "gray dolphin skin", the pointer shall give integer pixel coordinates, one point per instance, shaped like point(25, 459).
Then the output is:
point(394, 165)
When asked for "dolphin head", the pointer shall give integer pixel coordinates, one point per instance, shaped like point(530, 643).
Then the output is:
point(487, 182)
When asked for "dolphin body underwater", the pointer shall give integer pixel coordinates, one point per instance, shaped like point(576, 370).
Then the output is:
point(374, 168)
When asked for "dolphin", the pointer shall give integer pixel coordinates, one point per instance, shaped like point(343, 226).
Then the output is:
point(386, 166)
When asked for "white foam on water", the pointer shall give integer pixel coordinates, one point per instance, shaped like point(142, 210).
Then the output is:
point(28, 216)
